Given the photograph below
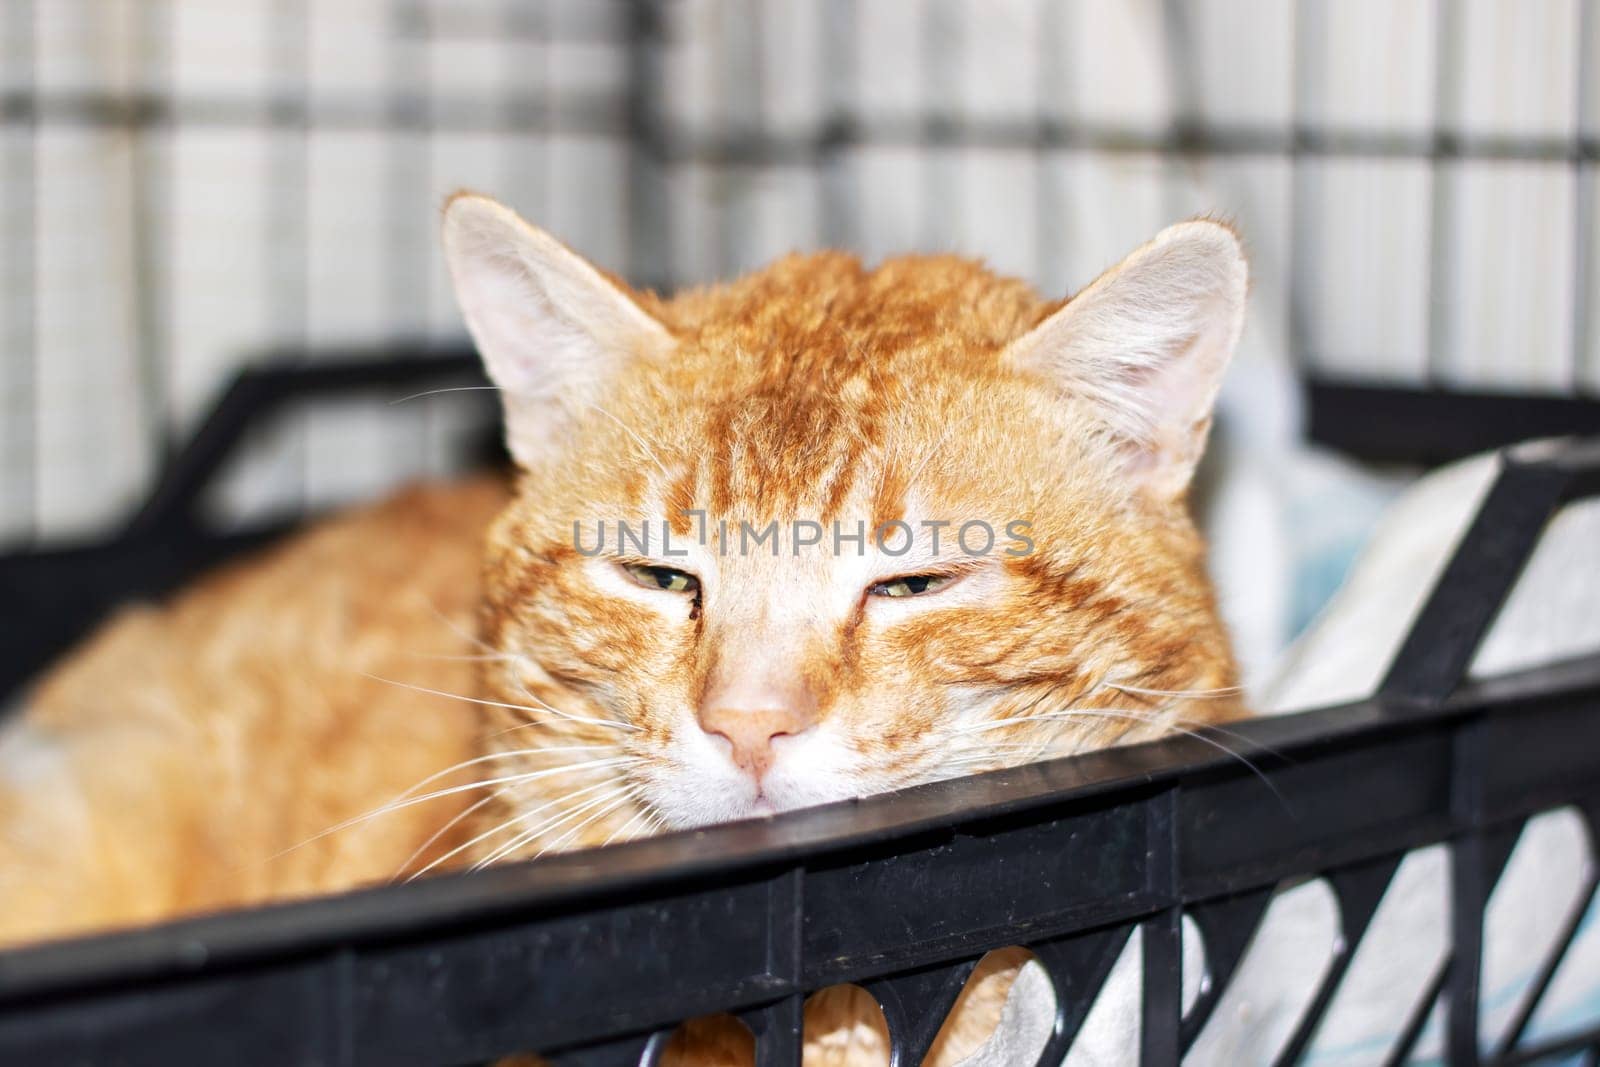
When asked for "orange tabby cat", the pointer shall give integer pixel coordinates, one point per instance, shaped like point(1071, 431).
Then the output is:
point(803, 606)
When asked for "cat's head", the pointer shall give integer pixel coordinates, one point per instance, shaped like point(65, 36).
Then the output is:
point(802, 435)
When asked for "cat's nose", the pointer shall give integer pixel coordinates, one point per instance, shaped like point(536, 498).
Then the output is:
point(752, 730)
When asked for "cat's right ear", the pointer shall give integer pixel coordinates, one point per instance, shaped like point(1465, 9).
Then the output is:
point(551, 329)
point(1145, 347)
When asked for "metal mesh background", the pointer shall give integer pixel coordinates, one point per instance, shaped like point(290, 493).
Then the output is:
point(187, 187)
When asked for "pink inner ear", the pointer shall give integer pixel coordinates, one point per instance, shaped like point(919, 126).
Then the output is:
point(545, 321)
point(1146, 345)
point(1176, 395)
point(519, 335)
point(1179, 392)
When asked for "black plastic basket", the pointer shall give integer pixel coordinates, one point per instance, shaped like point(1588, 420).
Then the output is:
point(593, 957)
point(53, 595)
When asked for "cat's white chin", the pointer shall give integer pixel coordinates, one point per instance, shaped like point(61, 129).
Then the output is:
point(738, 797)
point(756, 805)
point(701, 785)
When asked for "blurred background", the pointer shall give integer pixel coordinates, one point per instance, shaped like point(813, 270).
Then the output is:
point(191, 187)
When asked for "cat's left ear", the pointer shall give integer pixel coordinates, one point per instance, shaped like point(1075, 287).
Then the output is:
point(552, 330)
point(1145, 346)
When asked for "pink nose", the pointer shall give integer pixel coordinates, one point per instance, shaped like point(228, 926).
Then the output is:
point(752, 731)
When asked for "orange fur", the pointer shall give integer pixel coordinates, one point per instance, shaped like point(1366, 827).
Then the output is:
point(167, 766)
point(164, 767)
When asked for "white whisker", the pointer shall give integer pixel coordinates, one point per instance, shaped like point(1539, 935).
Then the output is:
point(406, 802)
point(576, 830)
point(502, 704)
point(569, 716)
point(1155, 719)
point(438, 658)
point(507, 824)
point(509, 754)
point(558, 819)
point(440, 832)
point(455, 628)
point(1191, 694)
point(452, 389)
point(998, 724)
point(1001, 758)
point(536, 724)
point(642, 815)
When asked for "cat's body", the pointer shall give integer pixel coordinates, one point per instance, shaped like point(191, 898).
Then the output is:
point(792, 635)
point(172, 764)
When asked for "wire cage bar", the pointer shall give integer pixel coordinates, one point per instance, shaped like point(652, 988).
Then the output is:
point(411, 112)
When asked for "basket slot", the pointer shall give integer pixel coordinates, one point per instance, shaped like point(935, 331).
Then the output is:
point(1360, 890)
point(1078, 967)
point(916, 1005)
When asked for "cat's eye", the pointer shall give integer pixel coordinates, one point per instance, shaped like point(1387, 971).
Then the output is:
point(911, 585)
point(653, 577)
